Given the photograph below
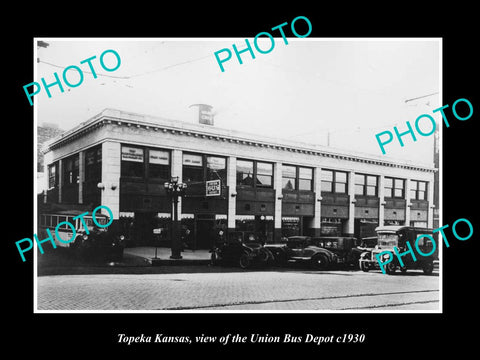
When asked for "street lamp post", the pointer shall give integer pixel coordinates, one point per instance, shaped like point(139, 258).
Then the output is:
point(175, 189)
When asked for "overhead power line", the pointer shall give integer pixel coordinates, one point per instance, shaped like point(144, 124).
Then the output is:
point(421, 97)
point(135, 75)
point(88, 72)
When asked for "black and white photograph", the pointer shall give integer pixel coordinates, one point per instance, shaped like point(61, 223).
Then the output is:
point(237, 180)
point(261, 187)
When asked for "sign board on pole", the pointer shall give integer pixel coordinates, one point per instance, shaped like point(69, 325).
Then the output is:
point(213, 188)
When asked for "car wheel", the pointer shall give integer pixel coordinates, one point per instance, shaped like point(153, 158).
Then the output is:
point(428, 268)
point(320, 262)
point(390, 268)
point(244, 261)
point(263, 255)
point(364, 267)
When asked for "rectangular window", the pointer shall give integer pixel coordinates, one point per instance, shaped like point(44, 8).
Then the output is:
point(418, 190)
point(71, 170)
point(366, 185)
point(264, 174)
point(334, 181)
point(372, 185)
point(89, 157)
point(52, 175)
point(93, 164)
point(193, 168)
point(327, 180)
point(388, 187)
point(289, 175)
point(132, 162)
point(217, 168)
point(158, 164)
point(359, 184)
point(399, 188)
point(305, 178)
point(245, 173)
point(340, 182)
point(394, 188)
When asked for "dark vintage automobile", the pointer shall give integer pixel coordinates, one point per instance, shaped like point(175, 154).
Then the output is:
point(393, 236)
point(241, 249)
point(99, 244)
point(301, 249)
point(368, 243)
point(346, 251)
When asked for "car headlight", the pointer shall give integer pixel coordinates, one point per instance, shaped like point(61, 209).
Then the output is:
point(122, 237)
point(85, 237)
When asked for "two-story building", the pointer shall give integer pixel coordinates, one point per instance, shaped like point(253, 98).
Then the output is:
point(269, 187)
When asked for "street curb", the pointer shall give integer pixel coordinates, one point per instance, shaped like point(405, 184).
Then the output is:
point(175, 262)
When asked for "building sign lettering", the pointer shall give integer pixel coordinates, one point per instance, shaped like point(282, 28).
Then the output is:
point(213, 188)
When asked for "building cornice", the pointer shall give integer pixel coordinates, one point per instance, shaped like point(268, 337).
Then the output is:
point(179, 128)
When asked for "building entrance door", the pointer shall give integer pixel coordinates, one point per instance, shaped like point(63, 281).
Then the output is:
point(205, 236)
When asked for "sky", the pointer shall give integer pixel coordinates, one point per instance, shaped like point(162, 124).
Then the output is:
point(337, 92)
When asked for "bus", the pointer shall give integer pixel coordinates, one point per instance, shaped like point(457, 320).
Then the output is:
point(391, 236)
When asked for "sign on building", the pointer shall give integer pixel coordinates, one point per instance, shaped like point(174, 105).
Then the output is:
point(213, 188)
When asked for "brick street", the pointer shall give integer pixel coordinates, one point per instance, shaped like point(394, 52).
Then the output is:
point(291, 289)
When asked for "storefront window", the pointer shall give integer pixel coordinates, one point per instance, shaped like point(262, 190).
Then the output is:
point(290, 226)
point(254, 228)
point(331, 227)
point(264, 174)
point(132, 162)
point(244, 173)
point(159, 164)
point(289, 174)
point(216, 168)
point(192, 168)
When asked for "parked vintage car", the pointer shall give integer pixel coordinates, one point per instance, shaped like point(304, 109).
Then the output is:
point(345, 248)
point(300, 249)
point(397, 236)
point(368, 243)
point(99, 244)
point(244, 250)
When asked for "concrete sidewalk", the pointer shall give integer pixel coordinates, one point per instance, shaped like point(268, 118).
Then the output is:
point(193, 257)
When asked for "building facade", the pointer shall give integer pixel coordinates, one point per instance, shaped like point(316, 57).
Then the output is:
point(270, 188)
